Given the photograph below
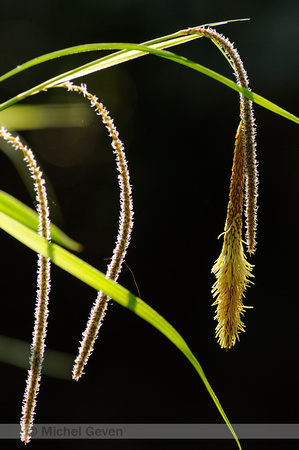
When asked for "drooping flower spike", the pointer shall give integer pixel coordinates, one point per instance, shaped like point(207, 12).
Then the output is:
point(43, 290)
point(232, 270)
point(124, 233)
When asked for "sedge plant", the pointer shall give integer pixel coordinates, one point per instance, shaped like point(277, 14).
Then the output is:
point(232, 270)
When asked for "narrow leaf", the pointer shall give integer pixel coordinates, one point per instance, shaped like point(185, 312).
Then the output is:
point(96, 279)
point(135, 51)
point(27, 216)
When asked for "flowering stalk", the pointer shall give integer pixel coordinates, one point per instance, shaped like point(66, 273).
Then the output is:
point(232, 270)
point(43, 289)
point(125, 227)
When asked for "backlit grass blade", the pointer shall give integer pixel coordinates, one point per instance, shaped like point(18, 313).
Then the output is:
point(134, 51)
point(27, 216)
point(96, 279)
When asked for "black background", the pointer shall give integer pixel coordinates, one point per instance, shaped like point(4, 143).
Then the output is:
point(178, 128)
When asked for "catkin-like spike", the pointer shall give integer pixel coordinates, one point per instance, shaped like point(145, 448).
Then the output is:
point(231, 268)
point(125, 227)
point(248, 135)
point(43, 290)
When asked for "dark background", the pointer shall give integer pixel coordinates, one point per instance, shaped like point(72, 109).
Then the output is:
point(178, 128)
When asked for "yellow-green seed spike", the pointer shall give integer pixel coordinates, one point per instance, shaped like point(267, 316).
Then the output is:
point(232, 270)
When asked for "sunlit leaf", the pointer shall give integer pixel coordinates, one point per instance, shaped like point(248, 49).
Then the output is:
point(27, 216)
point(96, 279)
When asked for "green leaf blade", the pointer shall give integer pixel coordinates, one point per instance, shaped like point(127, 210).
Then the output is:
point(28, 217)
point(96, 279)
point(132, 51)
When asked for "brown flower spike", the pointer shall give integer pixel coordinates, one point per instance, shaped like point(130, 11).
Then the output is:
point(43, 290)
point(98, 310)
point(232, 270)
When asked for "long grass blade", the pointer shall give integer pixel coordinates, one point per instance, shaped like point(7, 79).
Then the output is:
point(27, 216)
point(134, 51)
point(96, 279)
